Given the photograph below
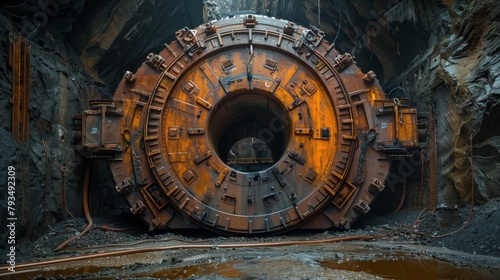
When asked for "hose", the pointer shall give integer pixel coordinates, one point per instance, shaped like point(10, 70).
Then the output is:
point(85, 209)
point(403, 196)
point(63, 172)
point(108, 228)
point(471, 206)
point(134, 243)
point(179, 247)
point(46, 150)
point(472, 194)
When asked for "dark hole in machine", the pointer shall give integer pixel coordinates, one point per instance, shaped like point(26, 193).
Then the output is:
point(249, 131)
point(250, 154)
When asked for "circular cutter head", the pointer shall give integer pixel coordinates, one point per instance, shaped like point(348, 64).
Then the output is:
point(248, 125)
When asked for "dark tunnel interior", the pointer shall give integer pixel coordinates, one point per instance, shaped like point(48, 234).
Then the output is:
point(249, 115)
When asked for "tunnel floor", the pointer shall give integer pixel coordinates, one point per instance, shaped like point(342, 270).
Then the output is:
point(400, 245)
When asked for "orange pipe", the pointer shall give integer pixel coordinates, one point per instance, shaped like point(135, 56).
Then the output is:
point(178, 247)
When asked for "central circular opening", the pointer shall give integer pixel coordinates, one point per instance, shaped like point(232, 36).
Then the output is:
point(249, 131)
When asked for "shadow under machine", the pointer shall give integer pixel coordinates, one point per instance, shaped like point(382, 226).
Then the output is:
point(248, 125)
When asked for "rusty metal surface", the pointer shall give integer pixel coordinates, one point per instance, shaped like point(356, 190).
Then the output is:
point(19, 61)
point(171, 126)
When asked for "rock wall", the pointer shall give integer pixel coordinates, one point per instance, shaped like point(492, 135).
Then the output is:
point(470, 71)
point(456, 78)
point(56, 85)
point(122, 33)
point(75, 45)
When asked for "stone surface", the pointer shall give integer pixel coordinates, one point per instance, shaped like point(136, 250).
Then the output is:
point(122, 33)
point(457, 77)
point(76, 44)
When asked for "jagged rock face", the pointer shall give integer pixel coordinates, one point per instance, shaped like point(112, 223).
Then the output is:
point(470, 71)
point(114, 36)
point(457, 78)
point(74, 45)
point(56, 85)
point(292, 10)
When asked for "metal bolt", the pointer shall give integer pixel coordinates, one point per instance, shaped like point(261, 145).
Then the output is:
point(369, 76)
point(129, 76)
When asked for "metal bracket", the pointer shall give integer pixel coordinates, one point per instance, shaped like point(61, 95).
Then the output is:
point(124, 187)
point(362, 207)
point(138, 207)
point(295, 156)
point(156, 61)
point(188, 38)
point(249, 21)
point(376, 186)
point(209, 29)
point(343, 60)
point(289, 28)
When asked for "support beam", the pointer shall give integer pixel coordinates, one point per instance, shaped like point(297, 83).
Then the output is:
point(19, 61)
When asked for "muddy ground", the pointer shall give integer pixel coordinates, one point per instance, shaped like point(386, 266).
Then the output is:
point(471, 252)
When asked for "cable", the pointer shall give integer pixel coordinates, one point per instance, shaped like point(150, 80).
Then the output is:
point(472, 195)
point(15, 15)
point(88, 216)
point(179, 247)
point(340, 25)
point(15, 6)
point(389, 94)
point(63, 173)
point(421, 123)
point(46, 150)
point(108, 228)
point(85, 208)
point(249, 73)
point(38, 25)
point(133, 243)
point(403, 197)
point(471, 206)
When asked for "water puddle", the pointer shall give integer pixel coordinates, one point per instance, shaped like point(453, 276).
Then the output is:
point(297, 264)
point(300, 268)
point(227, 269)
point(411, 268)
